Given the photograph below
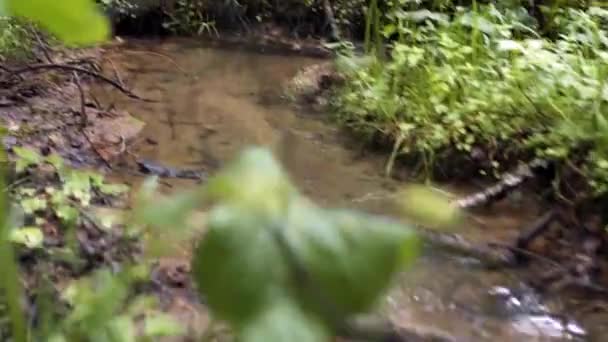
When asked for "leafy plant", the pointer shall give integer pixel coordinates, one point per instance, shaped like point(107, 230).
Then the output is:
point(483, 80)
point(61, 17)
point(276, 266)
point(190, 17)
point(15, 39)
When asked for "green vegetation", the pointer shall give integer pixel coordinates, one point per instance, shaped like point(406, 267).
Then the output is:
point(15, 39)
point(481, 78)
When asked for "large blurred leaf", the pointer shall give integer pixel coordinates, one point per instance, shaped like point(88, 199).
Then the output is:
point(254, 180)
point(350, 255)
point(284, 321)
point(237, 266)
point(72, 21)
point(262, 237)
point(428, 207)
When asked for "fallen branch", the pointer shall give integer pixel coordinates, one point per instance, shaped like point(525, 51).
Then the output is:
point(485, 252)
point(535, 229)
point(65, 67)
point(508, 182)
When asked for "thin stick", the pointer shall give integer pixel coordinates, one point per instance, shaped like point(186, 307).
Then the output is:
point(84, 121)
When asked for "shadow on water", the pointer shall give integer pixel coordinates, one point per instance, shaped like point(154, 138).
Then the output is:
point(214, 101)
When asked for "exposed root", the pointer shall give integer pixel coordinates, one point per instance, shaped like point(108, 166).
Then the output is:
point(65, 67)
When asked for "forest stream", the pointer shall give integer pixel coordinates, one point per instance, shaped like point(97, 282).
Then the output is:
point(213, 101)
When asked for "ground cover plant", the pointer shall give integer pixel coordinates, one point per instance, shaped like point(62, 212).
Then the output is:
point(481, 83)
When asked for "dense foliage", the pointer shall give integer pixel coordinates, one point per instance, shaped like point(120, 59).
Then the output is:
point(483, 79)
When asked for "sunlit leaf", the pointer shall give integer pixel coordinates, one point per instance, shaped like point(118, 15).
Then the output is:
point(255, 180)
point(237, 265)
point(26, 157)
point(162, 325)
point(72, 21)
point(428, 207)
point(33, 204)
point(67, 213)
point(55, 160)
point(31, 237)
point(121, 329)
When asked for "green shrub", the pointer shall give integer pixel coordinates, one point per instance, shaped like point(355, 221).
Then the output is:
point(484, 79)
point(15, 39)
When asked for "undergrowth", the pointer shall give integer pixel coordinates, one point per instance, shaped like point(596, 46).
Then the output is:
point(15, 39)
point(482, 81)
point(196, 17)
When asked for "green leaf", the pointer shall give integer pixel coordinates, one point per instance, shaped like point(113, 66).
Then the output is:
point(26, 157)
point(113, 189)
point(254, 180)
point(237, 265)
point(352, 256)
point(284, 321)
point(31, 237)
point(67, 213)
point(75, 22)
point(162, 325)
point(78, 185)
point(121, 329)
point(169, 212)
point(428, 207)
point(33, 204)
point(55, 160)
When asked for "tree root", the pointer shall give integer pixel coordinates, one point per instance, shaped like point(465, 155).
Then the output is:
point(66, 67)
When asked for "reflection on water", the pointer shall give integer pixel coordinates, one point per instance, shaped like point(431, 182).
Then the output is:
point(215, 101)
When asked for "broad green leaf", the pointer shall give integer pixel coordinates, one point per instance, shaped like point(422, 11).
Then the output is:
point(31, 237)
point(66, 213)
point(169, 212)
point(33, 204)
point(55, 160)
point(428, 207)
point(254, 180)
point(162, 325)
point(121, 329)
point(113, 189)
point(78, 185)
point(237, 265)
point(26, 157)
point(352, 256)
point(75, 22)
point(284, 321)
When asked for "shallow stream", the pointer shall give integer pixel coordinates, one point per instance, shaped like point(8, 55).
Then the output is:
point(215, 100)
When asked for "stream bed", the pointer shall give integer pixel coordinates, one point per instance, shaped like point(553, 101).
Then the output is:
point(215, 100)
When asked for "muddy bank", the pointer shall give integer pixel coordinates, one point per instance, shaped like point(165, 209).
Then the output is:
point(214, 101)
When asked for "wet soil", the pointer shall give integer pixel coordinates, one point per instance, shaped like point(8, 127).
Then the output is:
point(213, 100)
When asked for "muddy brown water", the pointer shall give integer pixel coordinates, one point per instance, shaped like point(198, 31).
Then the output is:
point(214, 101)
